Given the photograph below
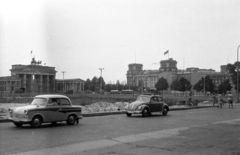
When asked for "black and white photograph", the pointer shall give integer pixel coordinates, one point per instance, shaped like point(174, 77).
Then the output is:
point(119, 77)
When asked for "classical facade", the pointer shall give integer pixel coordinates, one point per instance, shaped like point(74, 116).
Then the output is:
point(75, 85)
point(168, 70)
point(9, 83)
point(37, 79)
point(136, 74)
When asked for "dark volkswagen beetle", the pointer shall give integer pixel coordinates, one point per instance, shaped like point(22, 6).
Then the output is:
point(146, 104)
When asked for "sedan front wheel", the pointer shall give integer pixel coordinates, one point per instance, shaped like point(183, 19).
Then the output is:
point(36, 121)
point(71, 120)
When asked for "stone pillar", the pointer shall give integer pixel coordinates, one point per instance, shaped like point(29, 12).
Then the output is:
point(47, 83)
point(53, 81)
point(24, 84)
point(32, 83)
point(40, 83)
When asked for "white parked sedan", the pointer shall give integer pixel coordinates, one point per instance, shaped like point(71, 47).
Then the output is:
point(45, 109)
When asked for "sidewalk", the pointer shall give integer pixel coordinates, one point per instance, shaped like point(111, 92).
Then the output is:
point(3, 119)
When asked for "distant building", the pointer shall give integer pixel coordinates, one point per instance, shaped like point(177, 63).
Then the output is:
point(37, 78)
point(76, 85)
point(9, 83)
point(136, 74)
point(168, 70)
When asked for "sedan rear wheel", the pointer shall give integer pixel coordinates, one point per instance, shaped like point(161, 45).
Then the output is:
point(71, 120)
point(36, 121)
point(145, 112)
point(17, 124)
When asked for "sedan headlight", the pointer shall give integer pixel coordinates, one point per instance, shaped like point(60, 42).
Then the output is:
point(25, 112)
point(139, 107)
point(10, 111)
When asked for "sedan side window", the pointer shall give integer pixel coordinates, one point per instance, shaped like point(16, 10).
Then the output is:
point(54, 102)
point(65, 102)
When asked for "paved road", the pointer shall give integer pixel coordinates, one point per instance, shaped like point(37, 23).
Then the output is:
point(197, 131)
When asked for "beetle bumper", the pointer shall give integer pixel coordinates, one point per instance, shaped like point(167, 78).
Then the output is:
point(133, 112)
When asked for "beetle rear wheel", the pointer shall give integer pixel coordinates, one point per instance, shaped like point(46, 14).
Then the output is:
point(165, 111)
point(71, 120)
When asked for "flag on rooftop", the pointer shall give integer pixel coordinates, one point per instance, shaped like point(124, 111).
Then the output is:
point(166, 52)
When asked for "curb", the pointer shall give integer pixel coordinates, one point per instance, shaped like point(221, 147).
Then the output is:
point(5, 120)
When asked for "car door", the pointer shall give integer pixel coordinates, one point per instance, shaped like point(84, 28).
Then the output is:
point(154, 104)
point(64, 109)
point(52, 110)
point(160, 103)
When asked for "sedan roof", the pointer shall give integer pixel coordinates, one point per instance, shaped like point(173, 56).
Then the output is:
point(52, 96)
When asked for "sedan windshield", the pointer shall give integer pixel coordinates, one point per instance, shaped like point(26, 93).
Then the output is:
point(143, 98)
point(39, 101)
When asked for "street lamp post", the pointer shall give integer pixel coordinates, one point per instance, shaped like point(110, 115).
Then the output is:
point(101, 80)
point(204, 85)
point(237, 77)
point(63, 80)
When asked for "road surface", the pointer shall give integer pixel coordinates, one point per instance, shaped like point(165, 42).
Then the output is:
point(197, 131)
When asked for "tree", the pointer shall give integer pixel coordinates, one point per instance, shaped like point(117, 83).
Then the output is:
point(87, 84)
point(185, 84)
point(209, 85)
point(162, 84)
point(119, 86)
point(176, 85)
point(108, 87)
point(101, 83)
point(224, 87)
point(232, 69)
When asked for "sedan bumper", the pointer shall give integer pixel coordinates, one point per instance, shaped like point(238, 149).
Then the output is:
point(19, 118)
point(80, 117)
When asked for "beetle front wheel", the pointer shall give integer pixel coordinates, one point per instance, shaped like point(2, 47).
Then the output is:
point(145, 112)
point(128, 114)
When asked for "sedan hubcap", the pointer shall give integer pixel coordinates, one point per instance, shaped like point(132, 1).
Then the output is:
point(71, 119)
point(36, 122)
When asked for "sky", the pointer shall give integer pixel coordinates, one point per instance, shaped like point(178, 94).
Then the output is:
point(81, 36)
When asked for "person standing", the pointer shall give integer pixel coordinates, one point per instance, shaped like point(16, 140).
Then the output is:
point(219, 99)
point(213, 99)
point(230, 100)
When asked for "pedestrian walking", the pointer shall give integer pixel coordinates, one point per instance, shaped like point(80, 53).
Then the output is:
point(230, 100)
point(220, 102)
point(213, 100)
